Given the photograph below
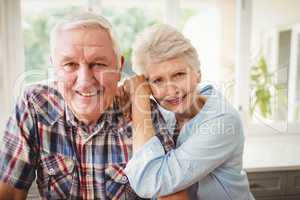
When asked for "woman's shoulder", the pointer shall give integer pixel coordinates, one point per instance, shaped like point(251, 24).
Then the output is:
point(216, 105)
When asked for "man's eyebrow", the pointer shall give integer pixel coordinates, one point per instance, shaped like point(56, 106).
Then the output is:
point(67, 58)
point(100, 58)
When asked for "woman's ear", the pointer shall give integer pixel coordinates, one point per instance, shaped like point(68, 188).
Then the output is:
point(198, 76)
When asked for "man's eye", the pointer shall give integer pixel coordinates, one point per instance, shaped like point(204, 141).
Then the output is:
point(98, 65)
point(70, 66)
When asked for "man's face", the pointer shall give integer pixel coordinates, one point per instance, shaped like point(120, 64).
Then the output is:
point(86, 69)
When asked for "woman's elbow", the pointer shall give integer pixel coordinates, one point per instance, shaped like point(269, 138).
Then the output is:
point(144, 189)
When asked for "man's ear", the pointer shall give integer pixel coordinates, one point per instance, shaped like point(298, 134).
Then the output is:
point(122, 60)
point(122, 64)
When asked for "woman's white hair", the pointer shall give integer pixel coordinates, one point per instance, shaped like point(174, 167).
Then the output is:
point(161, 43)
point(86, 20)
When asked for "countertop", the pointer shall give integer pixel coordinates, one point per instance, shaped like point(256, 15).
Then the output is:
point(272, 153)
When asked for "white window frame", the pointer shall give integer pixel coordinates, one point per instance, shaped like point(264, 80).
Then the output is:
point(12, 54)
point(242, 86)
point(293, 72)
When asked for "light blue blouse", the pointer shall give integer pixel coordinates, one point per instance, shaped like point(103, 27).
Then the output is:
point(207, 159)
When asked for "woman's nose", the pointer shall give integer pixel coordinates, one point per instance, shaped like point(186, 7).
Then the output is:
point(171, 89)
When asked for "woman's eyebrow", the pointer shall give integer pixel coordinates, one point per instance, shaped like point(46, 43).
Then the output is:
point(154, 78)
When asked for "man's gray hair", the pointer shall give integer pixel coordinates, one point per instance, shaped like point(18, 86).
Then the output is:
point(161, 43)
point(86, 20)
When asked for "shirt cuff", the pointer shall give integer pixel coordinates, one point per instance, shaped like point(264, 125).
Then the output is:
point(151, 150)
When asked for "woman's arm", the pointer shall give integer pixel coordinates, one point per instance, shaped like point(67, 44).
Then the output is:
point(207, 147)
point(143, 129)
point(182, 195)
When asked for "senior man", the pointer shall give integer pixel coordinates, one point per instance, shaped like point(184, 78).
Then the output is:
point(71, 134)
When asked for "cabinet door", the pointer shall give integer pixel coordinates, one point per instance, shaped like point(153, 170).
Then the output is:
point(293, 183)
point(264, 184)
point(271, 198)
point(292, 198)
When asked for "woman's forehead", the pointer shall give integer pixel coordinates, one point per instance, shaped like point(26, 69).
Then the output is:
point(166, 67)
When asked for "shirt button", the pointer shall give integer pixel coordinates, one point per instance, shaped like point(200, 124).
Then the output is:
point(124, 179)
point(51, 171)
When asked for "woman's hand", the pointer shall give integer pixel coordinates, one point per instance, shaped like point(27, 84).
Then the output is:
point(137, 87)
point(139, 91)
point(134, 91)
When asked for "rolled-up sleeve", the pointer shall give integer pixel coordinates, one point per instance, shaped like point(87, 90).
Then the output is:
point(153, 173)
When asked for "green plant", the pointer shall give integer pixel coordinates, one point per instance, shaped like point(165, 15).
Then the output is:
point(261, 84)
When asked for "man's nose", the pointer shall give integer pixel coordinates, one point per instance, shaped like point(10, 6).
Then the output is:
point(85, 73)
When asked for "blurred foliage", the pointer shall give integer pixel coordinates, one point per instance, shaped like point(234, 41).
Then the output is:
point(261, 84)
point(126, 22)
point(36, 30)
point(267, 92)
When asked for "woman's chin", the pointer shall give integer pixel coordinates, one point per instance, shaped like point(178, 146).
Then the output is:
point(175, 109)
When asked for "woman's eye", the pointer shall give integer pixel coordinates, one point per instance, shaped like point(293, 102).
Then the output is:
point(179, 74)
point(157, 81)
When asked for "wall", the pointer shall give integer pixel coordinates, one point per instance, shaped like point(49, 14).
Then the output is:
point(269, 14)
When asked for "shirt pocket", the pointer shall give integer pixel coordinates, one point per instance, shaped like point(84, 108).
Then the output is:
point(57, 176)
point(117, 184)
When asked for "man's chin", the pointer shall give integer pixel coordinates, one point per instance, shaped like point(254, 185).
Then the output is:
point(86, 110)
point(87, 116)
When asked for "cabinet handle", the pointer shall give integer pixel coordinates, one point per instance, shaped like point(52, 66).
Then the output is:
point(255, 185)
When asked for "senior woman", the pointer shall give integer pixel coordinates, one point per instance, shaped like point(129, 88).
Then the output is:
point(207, 160)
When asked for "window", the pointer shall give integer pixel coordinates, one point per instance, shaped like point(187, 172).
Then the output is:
point(129, 18)
point(38, 17)
point(210, 25)
point(274, 97)
point(249, 49)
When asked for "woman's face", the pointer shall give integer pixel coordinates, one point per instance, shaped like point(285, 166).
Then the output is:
point(173, 84)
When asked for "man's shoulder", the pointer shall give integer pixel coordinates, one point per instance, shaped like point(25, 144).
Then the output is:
point(45, 99)
point(42, 90)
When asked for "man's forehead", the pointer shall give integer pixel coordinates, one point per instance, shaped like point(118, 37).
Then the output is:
point(67, 45)
point(92, 37)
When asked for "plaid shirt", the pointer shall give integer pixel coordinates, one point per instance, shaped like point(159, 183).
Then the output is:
point(70, 159)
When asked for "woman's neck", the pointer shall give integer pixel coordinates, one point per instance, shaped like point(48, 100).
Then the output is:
point(182, 118)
